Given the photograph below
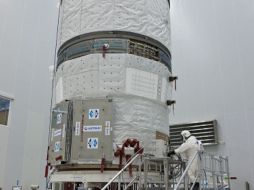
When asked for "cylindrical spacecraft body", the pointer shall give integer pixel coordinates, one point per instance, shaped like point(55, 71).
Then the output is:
point(112, 52)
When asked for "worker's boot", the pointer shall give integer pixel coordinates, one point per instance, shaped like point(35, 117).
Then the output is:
point(196, 186)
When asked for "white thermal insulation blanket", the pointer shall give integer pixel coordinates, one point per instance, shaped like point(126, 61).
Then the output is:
point(93, 76)
point(139, 88)
point(140, 118)
point(146, 17)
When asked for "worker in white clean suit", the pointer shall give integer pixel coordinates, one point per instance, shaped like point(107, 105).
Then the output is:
point(187, 150)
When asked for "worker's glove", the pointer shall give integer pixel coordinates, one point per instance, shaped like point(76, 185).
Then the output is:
point(171, 152)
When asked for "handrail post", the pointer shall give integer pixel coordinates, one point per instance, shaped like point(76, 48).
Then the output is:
point(202, 171)
point(221, 172)
point(213, 172)
point(185, 178)
point(166, 173)
point(119, 182)
point(227, 166)
point(139, 174)
point(145, 173)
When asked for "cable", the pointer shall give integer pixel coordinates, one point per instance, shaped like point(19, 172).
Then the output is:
point(169, 3)
point(68, 133)
point(52, 87)
point(53, 79)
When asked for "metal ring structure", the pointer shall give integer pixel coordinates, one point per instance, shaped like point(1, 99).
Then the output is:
point(118, 42)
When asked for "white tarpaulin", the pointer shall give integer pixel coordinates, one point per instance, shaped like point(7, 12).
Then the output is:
point(139, 118)
point(146, 17)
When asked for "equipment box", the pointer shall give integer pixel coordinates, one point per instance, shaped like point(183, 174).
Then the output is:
point(58, 150)
point(81, 132)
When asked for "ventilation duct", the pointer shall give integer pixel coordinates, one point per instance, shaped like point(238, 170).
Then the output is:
point(204, 131)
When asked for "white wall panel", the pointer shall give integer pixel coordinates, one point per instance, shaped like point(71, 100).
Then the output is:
point(212, 48)
point(3, 149)
point(27, 40)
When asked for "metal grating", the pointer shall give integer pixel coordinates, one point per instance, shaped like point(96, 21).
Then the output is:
point(144, 50)
point(205, 131)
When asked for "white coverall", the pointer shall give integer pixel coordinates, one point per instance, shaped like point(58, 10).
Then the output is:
point(188, 150)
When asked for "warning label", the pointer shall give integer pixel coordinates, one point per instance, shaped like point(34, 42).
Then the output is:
point(59, 118)
point(94, 114)
point(57, 146)
point(77, 129)
point(107, 123)
point(92, 143)
point(92, 128)
point(107, 131)
point(57, 132)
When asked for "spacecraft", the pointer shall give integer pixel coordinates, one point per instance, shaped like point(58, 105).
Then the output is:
point(112, 88)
